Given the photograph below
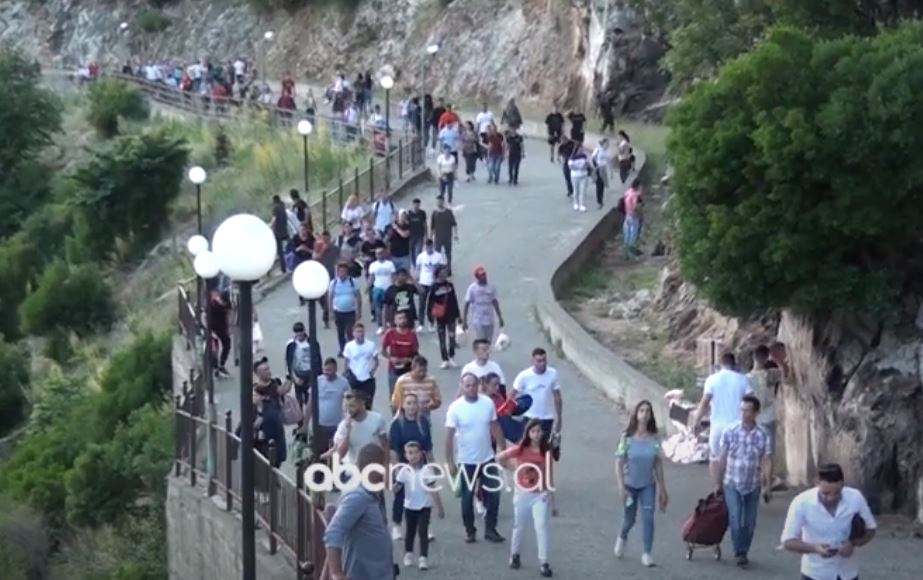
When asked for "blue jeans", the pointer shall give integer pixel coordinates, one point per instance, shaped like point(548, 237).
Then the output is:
point(631, 229)
point(742, 516)
point(647, 498)
point(378, 304)
point(490, 497)
point(494, 162)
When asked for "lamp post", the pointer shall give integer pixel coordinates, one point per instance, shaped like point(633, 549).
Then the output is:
point(387, 83)
point(245, 248)
point(267, 36)
point(197, 176)
point(197, 246)
point(431, 50)
point(305, 128)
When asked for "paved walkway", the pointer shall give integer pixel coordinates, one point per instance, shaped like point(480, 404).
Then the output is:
point(518, 233)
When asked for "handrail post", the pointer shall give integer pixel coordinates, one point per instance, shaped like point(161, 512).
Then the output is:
point(273, 498)
point(178, 435)
point(400, 159)
point(371, 179)
point(192, 444)
point(229, 460)
point(340, 195)
point(301, 538)
point(356, 182)
point(324, 212)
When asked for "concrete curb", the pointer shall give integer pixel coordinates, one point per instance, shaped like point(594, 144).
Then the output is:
point(608, 372)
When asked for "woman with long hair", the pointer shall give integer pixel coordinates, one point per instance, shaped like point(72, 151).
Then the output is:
point(409, 424)
point(353, 212)
point(639, 473)
point(625, 156)
point(442, 307)
point(531, 463)
point(469, 149)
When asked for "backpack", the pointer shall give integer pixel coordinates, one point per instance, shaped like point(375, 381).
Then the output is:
point(621, 205)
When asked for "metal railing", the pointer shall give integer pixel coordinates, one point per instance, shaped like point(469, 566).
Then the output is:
point(283, 509)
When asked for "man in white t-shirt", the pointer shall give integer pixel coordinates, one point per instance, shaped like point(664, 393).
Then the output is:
point(471, 423)
point(425, 274)
point(482, 366)
point(381, 276)
point(360, 428)
point(484, 120)
point(540, 382)
point(240, 69)
point(361, 363)
point(721, 402)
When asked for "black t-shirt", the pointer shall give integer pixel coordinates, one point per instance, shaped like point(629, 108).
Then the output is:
point(280, 221)
point(577, 120)
point(437, 114)
point(299, 241)
point(514, 146)
point(301, 210)
point(368, 248)
point(217, 315)
point(417, 221)
point(400, 246)
point(555, 123)
point(401, 299)
point(567, 149)
point(443, 222)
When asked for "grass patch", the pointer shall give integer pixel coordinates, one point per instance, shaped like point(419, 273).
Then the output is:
point(670, 374)
point(588, 283)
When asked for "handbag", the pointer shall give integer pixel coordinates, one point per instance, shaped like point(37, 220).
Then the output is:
point(438, 310)
point(291, 410)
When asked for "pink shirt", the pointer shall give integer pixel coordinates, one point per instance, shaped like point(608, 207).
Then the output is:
point(632, 197)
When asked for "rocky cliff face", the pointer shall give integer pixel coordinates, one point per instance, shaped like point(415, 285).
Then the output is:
point(541, 51)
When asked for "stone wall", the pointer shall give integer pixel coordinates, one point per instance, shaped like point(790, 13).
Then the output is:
point(204, 540)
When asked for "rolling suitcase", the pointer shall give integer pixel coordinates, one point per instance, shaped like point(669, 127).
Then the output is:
point(706, 525)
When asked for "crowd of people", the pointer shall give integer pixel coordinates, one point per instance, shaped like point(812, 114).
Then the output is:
point(392, 284)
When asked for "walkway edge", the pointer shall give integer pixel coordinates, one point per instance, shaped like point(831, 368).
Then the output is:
point(607, 371)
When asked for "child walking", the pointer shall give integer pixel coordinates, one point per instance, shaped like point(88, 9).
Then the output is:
point(531, 461)
point(416, 480)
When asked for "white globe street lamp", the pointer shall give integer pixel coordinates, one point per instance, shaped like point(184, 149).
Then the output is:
point(197, 175)
point(206, 263)
point(432, 49)
point(305, 128)
point(387, 83)
point(245, 248)
point(269, 34)
point(311, 281)
point(196, 245)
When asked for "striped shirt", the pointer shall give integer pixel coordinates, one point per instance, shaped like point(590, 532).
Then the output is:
point(745, 451)
point(426, 390)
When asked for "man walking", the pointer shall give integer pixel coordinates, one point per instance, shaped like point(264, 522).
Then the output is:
point(482, 366)
point(279, 225)
point(826, 524)
point(361, 363)
point(446, 164)
point(298, 361)
point(357, 540)
point(444, 229)
point(416, 219)
point(381, 273)
point(515, 154)
point(494, 154)
point(471, 423)
point(425, 274)
point(419, 383)
point(723, 392)
point(331, 389)
point(744, 468)
point(554, 122)
point(540, 382)
point(345, 302)
point(361, 427)
point(482, 302)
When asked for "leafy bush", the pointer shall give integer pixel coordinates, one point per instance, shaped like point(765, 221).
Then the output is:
point(137, 376)
point(76, 298)
point(111, 100)
point(24, 544)
point(57, 394)
point(31, 113)
point(222, 147)
point(22, 192)
point(125, 191)
point(796, 174)
point(14, 380)
point(152, 21)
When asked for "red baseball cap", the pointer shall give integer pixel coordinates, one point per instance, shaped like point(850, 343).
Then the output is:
point(480, 271)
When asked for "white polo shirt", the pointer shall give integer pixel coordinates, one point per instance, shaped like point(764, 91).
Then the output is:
point(809, 521)
point(482, 370)
point(541, 388)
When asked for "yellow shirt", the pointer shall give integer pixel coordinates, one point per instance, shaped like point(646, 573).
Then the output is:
point(427, 392)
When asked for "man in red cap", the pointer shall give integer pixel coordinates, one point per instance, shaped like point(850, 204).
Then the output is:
point(482, 304)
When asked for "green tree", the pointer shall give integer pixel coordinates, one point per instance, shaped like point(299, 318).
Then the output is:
point(796, 181)
point(75, 298)
point(111, 100)
point(14, 380)
point(25, 548)
point(124, 193)
point(29, 114)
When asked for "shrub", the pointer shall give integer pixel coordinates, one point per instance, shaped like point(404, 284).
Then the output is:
point(31, 113)
point(796, 174)
point(111, 100)
point(14, 380)
point(57, 394)
point(76, 298)
point(152, 21)
point(222, 147)
point(24, 544)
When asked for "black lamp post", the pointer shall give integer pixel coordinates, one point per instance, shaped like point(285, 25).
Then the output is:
point(196, 245)
point(245, 248)
point(305, 128)
point(387, 83)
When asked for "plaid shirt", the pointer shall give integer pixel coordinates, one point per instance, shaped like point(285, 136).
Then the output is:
point(745, 451)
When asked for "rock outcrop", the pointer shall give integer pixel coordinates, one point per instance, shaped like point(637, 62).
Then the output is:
point(572, 52)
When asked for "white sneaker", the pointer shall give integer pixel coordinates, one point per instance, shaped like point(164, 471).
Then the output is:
point(422, 563)
point(576, 207)
point(479, 508)
point(419, 328)
point(582, 208)
point(619, 549)
point(444, 365)
point(408, 560)
point(647, 561)
point(396, 532)
point(431, 328)
point(452, 363)
point(430, 536)
point(380, 330)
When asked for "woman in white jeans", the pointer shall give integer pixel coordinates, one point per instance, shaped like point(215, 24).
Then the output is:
point(531, 463)
point(579, 166)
